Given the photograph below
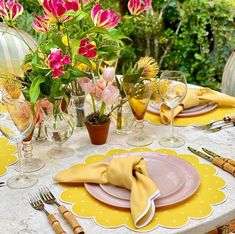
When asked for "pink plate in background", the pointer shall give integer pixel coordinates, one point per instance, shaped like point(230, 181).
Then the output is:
point(191, 184)
point(168, 178)
point(193, 111)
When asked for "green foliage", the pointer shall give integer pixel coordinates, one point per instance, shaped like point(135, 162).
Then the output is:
point(194, 36)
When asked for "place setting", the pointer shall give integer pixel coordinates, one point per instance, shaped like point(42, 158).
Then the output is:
point(178, 186)
point(198, 106)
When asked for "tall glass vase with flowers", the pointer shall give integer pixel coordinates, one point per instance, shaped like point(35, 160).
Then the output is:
point(103, 90)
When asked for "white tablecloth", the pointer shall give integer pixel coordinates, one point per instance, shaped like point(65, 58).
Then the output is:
point(17, 216)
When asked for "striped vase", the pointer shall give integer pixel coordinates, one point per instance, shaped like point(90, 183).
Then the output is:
point(228, 79)
point(14, 45)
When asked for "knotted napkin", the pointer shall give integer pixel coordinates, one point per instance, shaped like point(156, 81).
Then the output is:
point(193, 98)
point(127, 172)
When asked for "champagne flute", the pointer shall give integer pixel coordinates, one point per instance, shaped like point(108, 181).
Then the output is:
point(172, 96)
point(16, 123)
point(138, 95)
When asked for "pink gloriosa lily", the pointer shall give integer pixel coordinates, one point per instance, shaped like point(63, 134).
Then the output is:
point(57, 62)
point(41, 24)
point(135, 6)
point(104, 18)
point(87, 49)
point(10, 10)
point(56, 9)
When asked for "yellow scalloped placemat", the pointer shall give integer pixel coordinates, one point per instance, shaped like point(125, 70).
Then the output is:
point(197, 206)
point(7, 156)
point(215, 114)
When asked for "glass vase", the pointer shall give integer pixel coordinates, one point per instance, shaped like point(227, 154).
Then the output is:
point(58, 127)
point(123, 117)
point(76, 110)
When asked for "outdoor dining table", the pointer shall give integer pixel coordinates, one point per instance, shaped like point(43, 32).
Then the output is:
point(18, 217)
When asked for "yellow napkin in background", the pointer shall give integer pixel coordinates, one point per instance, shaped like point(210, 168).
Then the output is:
point(128, 172)
point(196, 97)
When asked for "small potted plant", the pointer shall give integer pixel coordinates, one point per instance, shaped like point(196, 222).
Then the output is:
point(103, 90)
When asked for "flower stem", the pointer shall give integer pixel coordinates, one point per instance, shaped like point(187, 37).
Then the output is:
point(93, 103)
point(102, 108)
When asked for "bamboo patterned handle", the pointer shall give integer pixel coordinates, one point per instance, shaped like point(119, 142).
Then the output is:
point(77, 229)
point(224, 165)
point(229, 118)
point(231, 161)
point(55, 224)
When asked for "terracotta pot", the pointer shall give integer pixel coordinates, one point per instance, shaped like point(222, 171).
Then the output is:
point(98, 133)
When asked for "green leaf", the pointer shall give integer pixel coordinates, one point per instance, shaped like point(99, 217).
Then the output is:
point(83, 59)
point(56, 88)
point(77, 73)
point(34, 91)
point(58, 41)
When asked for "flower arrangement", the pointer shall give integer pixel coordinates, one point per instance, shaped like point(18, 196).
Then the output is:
point(77, 36)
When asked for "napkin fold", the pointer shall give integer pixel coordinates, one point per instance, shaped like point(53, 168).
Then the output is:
point(195, 97)
point(127, 172)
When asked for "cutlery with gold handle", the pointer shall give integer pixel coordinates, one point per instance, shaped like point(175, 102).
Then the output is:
point(49, 198)
point(37, 204)
point(231, 161)
point(215, 160)
point(226, 119)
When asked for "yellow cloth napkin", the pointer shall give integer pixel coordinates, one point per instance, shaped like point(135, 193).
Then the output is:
point(128, 172)
point(196, 97)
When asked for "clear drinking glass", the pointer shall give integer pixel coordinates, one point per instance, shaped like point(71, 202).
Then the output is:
point(172, 96)
point(138, 95)
point(16, 123)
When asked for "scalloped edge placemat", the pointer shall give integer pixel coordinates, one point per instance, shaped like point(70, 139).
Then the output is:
point(216, 114)
point(198, 206)
point(7, 157)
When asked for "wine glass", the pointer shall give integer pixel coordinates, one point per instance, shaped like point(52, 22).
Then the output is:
point(30, 164)
point(16, 123)
point(172, 88)
point(138, 95)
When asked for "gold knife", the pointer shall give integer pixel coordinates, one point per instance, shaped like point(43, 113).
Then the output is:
point(231, 161)
point(215, 160)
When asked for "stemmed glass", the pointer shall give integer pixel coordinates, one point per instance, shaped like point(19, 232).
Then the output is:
point(16, 123)
point(172, 90)
point(30, 164)
point(138, 95)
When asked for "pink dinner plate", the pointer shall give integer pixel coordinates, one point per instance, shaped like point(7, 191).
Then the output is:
point(167, 176)
point(191, 184)
point(193, 111)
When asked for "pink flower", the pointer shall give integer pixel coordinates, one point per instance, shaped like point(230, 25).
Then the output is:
point(57, 62)
point(41, 24)
point(110, 95)
point(86, 84)
point(10, 10)
point(56, 8)
point(99, 87)
point(87, 49)
point(104, 18)
point(108, 74)
point(135, 6)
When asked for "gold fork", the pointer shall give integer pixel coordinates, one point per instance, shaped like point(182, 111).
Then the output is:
point(49, 198)
point(37, 204)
